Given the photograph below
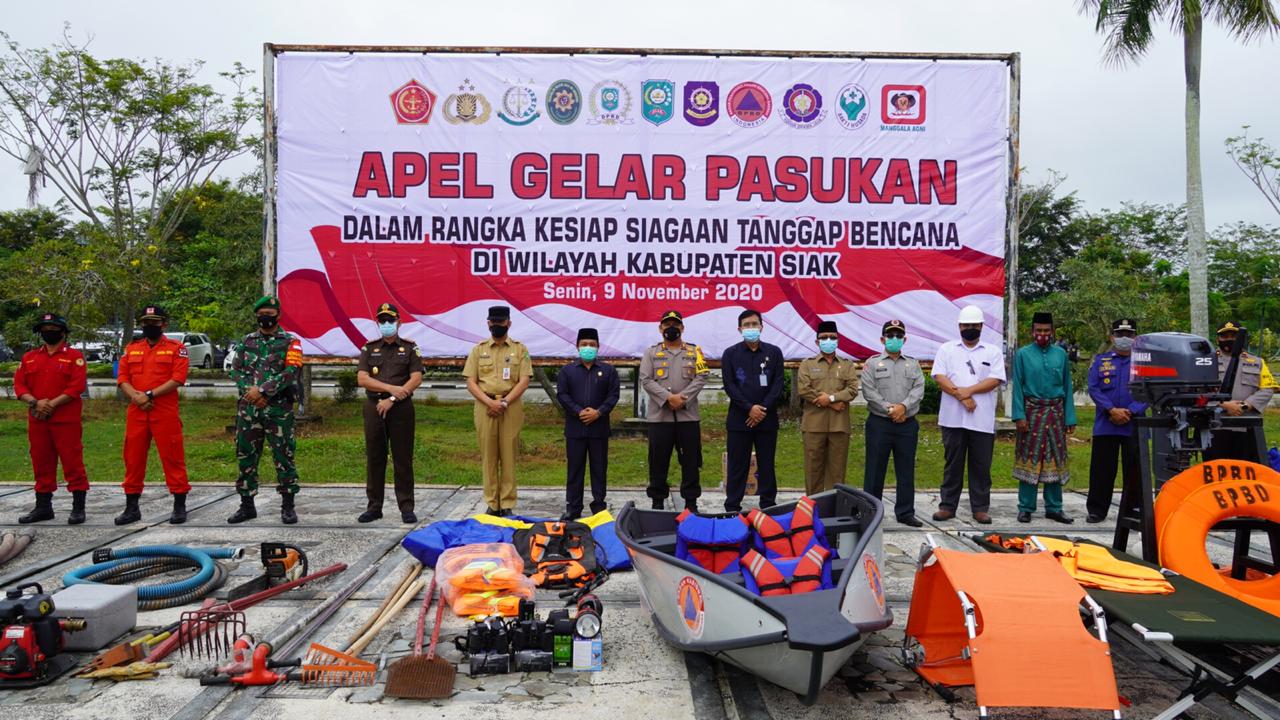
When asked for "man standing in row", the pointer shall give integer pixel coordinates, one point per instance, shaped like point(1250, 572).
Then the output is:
point(588, 391)
point(967, 371)
point(151, 371)
point(50, 380)
point(752, 374)
point(1250, 396)
point(266, 372)
point(893, 386)
point(1113, 430)
point(498, 371)
point(1044, 413)
point(389, 370)
point(828, 384)
point(672, 374)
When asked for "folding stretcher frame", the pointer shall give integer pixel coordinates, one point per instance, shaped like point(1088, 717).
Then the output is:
point(1261, 629)
point(1090, 608)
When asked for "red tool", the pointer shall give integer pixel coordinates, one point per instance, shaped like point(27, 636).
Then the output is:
point(163, 650)
point(258, 675)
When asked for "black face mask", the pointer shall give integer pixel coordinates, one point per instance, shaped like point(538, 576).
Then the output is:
point(672, 333)
point(266, 322)
point(51, 337)
point(1226, 345)
point(498, 331)
point(971, 334)
point(152, 332)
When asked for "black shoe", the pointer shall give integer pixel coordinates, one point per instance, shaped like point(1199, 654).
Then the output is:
point(657, 504)
point(1095, 518)
point(131, 512)
point(41, 512)
point(691, 506)
point(408, 518)
point(598, 508)
point(247, 510)
point(570, 515)
point(77, 507)
point(729, 509)
point(493, 512)
point(287, 514)
point(910, 521)
point(1059, 517)
point(179, 514)
point(1024, 517)
point(369, 516)
point(506, 512)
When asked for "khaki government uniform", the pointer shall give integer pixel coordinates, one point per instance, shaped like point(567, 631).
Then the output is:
point(826, 431)
point(497, 365)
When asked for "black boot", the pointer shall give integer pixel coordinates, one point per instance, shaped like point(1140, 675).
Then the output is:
point(179, 514)
point(287, 515)
point(77, 507)
point(246, 512)
point(131, 512)
point(42, 511)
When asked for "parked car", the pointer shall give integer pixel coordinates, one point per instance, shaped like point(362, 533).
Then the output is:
point(220, 355)
point(199, 348)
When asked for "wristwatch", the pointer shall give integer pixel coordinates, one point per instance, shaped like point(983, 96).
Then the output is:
point(504, 403)
point(831, 398)
point(392, 398)
point(150, 395)
point(32, 403)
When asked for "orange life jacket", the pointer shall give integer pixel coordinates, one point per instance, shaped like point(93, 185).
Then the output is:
point(557, 554)
point(806, 577)
point(785, 542)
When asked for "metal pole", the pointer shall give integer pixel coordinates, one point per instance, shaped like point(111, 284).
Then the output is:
point(268, 169)
point(1011, 222)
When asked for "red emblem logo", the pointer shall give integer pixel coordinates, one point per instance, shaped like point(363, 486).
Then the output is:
point(902, 104)
point(413, 103)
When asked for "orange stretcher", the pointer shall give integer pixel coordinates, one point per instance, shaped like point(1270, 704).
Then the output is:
point(1008, 624)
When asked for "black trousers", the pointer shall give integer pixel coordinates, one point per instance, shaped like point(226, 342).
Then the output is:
point(884, 438)
point(1107, 451)
point(579, 451)
point(686, 439)
point(961, 446)
point(396, 432)
point(739, 451)
point(1234, 445)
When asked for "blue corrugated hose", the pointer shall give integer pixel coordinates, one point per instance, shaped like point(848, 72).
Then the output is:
point(130, 564)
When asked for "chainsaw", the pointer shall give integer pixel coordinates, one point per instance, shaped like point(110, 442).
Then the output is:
point(32, 644)
point(280, 564)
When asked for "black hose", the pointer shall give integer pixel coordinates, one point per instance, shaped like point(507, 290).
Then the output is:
point(128, 572)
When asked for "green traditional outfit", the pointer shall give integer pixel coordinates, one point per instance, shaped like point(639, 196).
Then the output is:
point(1042, 396)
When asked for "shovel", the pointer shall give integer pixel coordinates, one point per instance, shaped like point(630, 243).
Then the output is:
point(423, 677)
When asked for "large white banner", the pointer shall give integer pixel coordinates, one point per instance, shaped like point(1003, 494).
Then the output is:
point(601, 191)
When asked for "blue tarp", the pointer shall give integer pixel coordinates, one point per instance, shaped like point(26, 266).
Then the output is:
point(427, 543)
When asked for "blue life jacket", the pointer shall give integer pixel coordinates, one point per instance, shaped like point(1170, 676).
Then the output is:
point(713, 544)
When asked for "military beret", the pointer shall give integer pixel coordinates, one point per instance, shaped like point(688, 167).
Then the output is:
point(267, 302)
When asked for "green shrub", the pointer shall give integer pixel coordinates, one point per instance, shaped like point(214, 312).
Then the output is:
point(932, 397)
point(347, 386)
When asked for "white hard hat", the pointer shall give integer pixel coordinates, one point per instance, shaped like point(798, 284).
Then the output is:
point(970, 314)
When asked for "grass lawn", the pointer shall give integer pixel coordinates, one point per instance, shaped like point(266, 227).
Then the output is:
point(332, 451)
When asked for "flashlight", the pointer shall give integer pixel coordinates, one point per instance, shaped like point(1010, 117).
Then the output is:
point(587, 621)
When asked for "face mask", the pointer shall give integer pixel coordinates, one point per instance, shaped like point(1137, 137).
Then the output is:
point(498, 331)
point(828, 345)
point(1226, 345)
point(587, 353)
point(1042, 339)
point(266, 322)
point(51, 337)
point(751, 335)
point(971, 334)
point(152, 332)
point(894, 344)
point(387, 329)
point(1124, 344)
point(672, 333)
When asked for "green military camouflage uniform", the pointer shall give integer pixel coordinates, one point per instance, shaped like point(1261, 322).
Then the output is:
point(272, 363)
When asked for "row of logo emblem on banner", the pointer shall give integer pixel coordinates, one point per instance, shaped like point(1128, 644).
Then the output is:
point(610, 102)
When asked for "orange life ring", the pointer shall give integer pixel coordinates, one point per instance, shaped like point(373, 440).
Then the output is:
point(1177, 488)
point(1181, 541)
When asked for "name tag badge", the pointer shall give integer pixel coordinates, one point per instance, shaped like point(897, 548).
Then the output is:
point(506, 372)
point(764, 380)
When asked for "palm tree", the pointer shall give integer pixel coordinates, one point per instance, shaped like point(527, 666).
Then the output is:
point(1129, 29)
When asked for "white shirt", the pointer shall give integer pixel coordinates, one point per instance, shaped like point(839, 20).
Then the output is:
point(965, 366)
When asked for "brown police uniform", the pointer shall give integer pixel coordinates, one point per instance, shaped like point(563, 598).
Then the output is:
point(391, 363)
point(825, 430)
point(497, 365)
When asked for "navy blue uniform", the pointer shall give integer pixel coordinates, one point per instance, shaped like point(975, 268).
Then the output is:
point(751, 377)
point(580, 386)
point(1109, 388)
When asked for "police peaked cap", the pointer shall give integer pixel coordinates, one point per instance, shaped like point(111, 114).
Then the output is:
point(387, 310)
point(1124, 324)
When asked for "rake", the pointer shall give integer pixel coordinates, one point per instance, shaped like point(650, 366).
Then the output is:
point(326, 667)
point(423, 677)
point(209, 633)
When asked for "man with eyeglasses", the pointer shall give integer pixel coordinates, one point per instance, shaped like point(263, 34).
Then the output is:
point(1113, 435)
point(968, 371)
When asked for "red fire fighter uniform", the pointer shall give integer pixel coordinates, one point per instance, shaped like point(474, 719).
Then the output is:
point(46, 375)
point(146, 367)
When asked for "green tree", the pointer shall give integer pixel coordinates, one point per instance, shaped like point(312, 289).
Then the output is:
point(1244, 272)
point(1047, 236)
point(1129, 27)
point(20, 231)
point(121, 141)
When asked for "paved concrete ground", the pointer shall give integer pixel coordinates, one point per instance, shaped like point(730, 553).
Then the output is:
point(643, 677)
